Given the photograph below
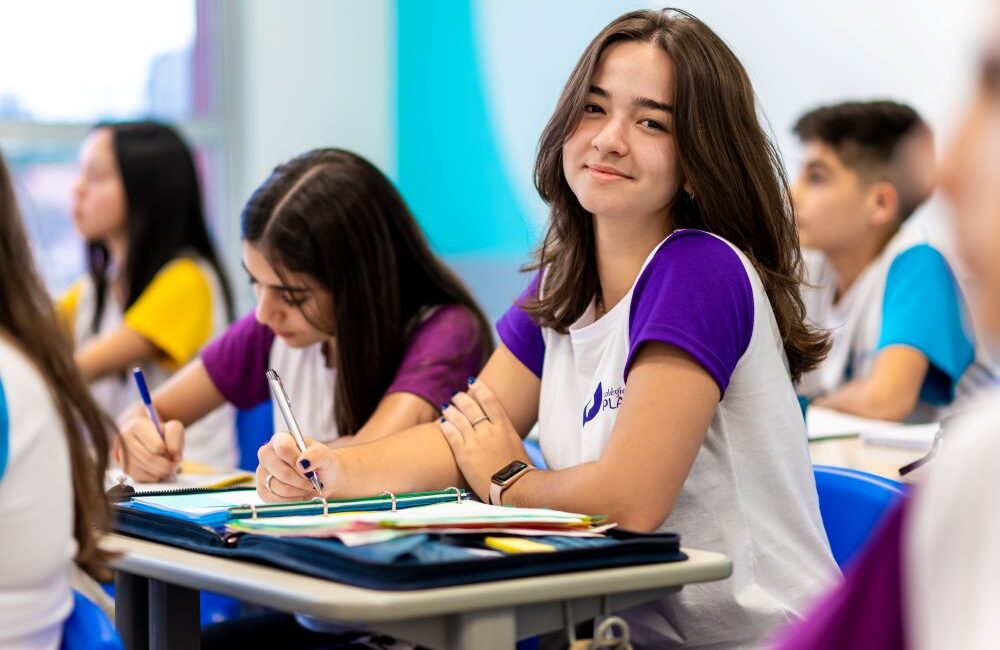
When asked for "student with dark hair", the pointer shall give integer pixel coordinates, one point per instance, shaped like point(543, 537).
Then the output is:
point(901, 345)
point(368, 330)
point(155, 291)
point(655, 347)
point(53, 449)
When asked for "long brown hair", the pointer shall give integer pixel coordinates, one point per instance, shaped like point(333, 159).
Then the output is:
point(724, 156)
point(27, 315)
point(332, 215)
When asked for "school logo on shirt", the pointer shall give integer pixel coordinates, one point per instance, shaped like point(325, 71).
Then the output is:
point(602, 400)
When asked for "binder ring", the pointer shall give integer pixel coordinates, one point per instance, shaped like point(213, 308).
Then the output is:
point(326, 505)
point(387, 493)
point(253, 509)
point(458, 493)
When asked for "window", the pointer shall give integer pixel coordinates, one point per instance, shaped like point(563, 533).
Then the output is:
point(70, 64)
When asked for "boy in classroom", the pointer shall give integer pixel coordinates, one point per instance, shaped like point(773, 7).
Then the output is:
point(902, 347)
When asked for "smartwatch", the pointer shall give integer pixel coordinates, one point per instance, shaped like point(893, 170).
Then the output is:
point(505, 478)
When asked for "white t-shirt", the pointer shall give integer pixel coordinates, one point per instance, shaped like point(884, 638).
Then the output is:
point(188, 287)
point(906, 296)
point(36, 509)
point(306, 375)
point(950, 559)
point(750, 493)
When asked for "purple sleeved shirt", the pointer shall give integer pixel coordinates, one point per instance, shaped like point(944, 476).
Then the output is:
point(443, 351)
point(694, 295)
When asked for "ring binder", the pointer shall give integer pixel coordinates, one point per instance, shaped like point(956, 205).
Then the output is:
point(326, 505)
point(391, 496)
point(214, 510)
point(458, 493)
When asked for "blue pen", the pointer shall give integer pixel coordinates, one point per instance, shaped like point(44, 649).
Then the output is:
point(140, 382)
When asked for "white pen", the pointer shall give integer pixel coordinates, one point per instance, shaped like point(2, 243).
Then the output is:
point(278, 391)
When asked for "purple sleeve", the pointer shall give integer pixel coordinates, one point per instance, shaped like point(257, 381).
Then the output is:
point(237, 360)
point(521, 334)
point(694, 295)
point(441, 355)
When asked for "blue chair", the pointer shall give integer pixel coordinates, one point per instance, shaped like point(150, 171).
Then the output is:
point(88, 628)
point(851, 503)
point(254, 427)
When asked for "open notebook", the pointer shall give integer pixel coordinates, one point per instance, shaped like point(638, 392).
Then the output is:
point(451, 518)
point(192, 477)
point(824, 423)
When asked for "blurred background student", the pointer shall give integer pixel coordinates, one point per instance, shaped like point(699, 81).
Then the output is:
point(53, 450)
point(155, 291)
point(903, 346)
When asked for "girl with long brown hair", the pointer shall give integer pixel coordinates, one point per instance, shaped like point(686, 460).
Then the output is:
point(655, 347)
point(368, 330)
point(53, 451)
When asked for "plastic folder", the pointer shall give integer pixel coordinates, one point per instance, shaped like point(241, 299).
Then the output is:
point(414, 561)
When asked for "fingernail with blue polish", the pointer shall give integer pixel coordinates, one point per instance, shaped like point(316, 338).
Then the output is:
point(309, 475)
point(305, 463)
point(441, 420)
point(454, 392)
point(444, 406)
point(472, 380)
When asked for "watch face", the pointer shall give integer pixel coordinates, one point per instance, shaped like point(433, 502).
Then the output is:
point(508, 472)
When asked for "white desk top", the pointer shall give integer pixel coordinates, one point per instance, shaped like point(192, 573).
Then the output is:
point(289, 591)
point(853, 453)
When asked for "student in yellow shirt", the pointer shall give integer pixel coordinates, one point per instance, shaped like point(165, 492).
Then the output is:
point(155, 291)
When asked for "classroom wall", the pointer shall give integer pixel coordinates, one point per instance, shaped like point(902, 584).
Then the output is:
point(308, 73)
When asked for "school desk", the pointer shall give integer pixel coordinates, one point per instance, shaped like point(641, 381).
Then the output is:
point(852, 452)
point(157, 598)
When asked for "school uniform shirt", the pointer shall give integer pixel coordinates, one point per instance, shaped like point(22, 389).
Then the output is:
point(181, 309)
point(442, 352)
point(907, 296)
point(750, 493)
point(36, 509)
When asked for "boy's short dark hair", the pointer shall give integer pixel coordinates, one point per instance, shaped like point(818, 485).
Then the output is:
point(869, 138)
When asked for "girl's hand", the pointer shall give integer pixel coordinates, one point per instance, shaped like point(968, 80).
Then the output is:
point(142, 454)
point(481, 436)
point(283, 472)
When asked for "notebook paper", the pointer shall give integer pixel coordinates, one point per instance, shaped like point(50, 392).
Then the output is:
point(191, 475)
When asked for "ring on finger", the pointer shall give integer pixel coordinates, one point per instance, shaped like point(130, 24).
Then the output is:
point(267, 482)
point(485, 418)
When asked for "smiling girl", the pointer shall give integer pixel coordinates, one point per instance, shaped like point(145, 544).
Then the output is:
point(368, 330)
point(669, 279)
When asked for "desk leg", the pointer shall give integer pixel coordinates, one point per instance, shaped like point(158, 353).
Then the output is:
point(174, 617)
point(132, 610)
point(488, 629)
